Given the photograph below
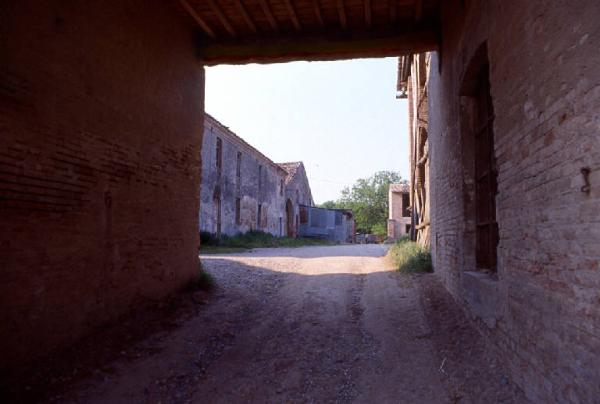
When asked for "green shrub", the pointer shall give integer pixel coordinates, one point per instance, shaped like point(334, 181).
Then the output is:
point(207, 238)
point(411, 257)
point(379, 229)
point(256, 239)
point(202, 280)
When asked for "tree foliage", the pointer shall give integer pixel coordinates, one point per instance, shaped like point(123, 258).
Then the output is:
point(368, 199)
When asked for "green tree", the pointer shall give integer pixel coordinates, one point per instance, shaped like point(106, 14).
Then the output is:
point(329, 205)
point(368, 199)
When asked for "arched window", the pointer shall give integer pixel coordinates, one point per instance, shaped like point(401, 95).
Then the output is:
point(477, 120)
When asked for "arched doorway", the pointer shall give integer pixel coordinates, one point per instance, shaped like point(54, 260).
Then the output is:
point(289, 215)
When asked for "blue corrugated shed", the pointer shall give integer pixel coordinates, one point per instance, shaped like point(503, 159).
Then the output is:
point(329, 224)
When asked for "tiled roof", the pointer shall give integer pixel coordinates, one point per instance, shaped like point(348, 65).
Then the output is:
point(291, 169)
point(400, 188)
point(212, 120)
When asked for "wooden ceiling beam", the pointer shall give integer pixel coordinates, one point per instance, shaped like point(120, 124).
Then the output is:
point(368, 19)
point(267, 11)
point(342, 13)
point(418, 10)
point(205, 27)
point(222, 17)
point(246, 16)
point(393, 6)
point(293, 16)
point(318, 13)
point(330, 47)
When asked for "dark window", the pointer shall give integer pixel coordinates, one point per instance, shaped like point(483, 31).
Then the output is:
point(259, 178)
point(259, 216)
point(219, 156)
point(281, 188)
point(238, 217)
point(407, 228)
point(238, 167)
point(405, 205)
point(486, 232)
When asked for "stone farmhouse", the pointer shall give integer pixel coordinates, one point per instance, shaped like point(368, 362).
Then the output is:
point(241, 189)
point(101, 126)
point(297, 192)
point(399, 221)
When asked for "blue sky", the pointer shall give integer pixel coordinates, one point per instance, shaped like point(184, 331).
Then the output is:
point(340, 118)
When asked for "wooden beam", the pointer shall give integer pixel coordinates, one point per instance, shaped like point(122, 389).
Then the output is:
point(342, 13)
point(217, 10)
point(293, 16)
point(367, 4)
point(190, 10)
point(332, 47)
point(393, 6)
point(267, 10)
point(418, 10)
point(317, 8)
point(246, 16)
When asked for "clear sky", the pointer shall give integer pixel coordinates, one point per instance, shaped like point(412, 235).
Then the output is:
point(340, 118)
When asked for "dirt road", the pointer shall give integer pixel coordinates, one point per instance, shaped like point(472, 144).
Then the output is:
point(309, 325)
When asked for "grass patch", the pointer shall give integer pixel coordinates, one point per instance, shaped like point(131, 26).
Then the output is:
point(202, 280)
point(411, 257)
point(211, 249)
point(253, 239)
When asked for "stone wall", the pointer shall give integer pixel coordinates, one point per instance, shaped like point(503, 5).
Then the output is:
point(542, 309)
point(101, 128)
point(297, 192)
point(251, 192)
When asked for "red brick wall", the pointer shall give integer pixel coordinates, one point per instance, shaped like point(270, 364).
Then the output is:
point(543, 312)
point(101, 108)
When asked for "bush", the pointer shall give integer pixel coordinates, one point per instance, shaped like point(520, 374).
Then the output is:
point(411, 257)
point(202, 280)
point(256, 239)
point(207, 238)
point(379, 229)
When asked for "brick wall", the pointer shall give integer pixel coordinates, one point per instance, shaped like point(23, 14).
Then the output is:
point(101, 125)
point(543, 309)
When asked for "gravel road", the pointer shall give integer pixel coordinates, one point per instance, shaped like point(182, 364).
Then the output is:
point(309, 325)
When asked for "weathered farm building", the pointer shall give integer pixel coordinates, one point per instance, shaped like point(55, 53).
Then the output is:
point(101, 132)
point(297, 192)
point(241, 189)
point(412, 80)
point(399, 219)
point(505, 157)
point(328, 224)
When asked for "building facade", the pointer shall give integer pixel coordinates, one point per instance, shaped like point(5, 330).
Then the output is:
point(297, 192)
point(399, 220)
point(241, 189)
point(328, 224)
point(412, 79)
point(505, 151)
